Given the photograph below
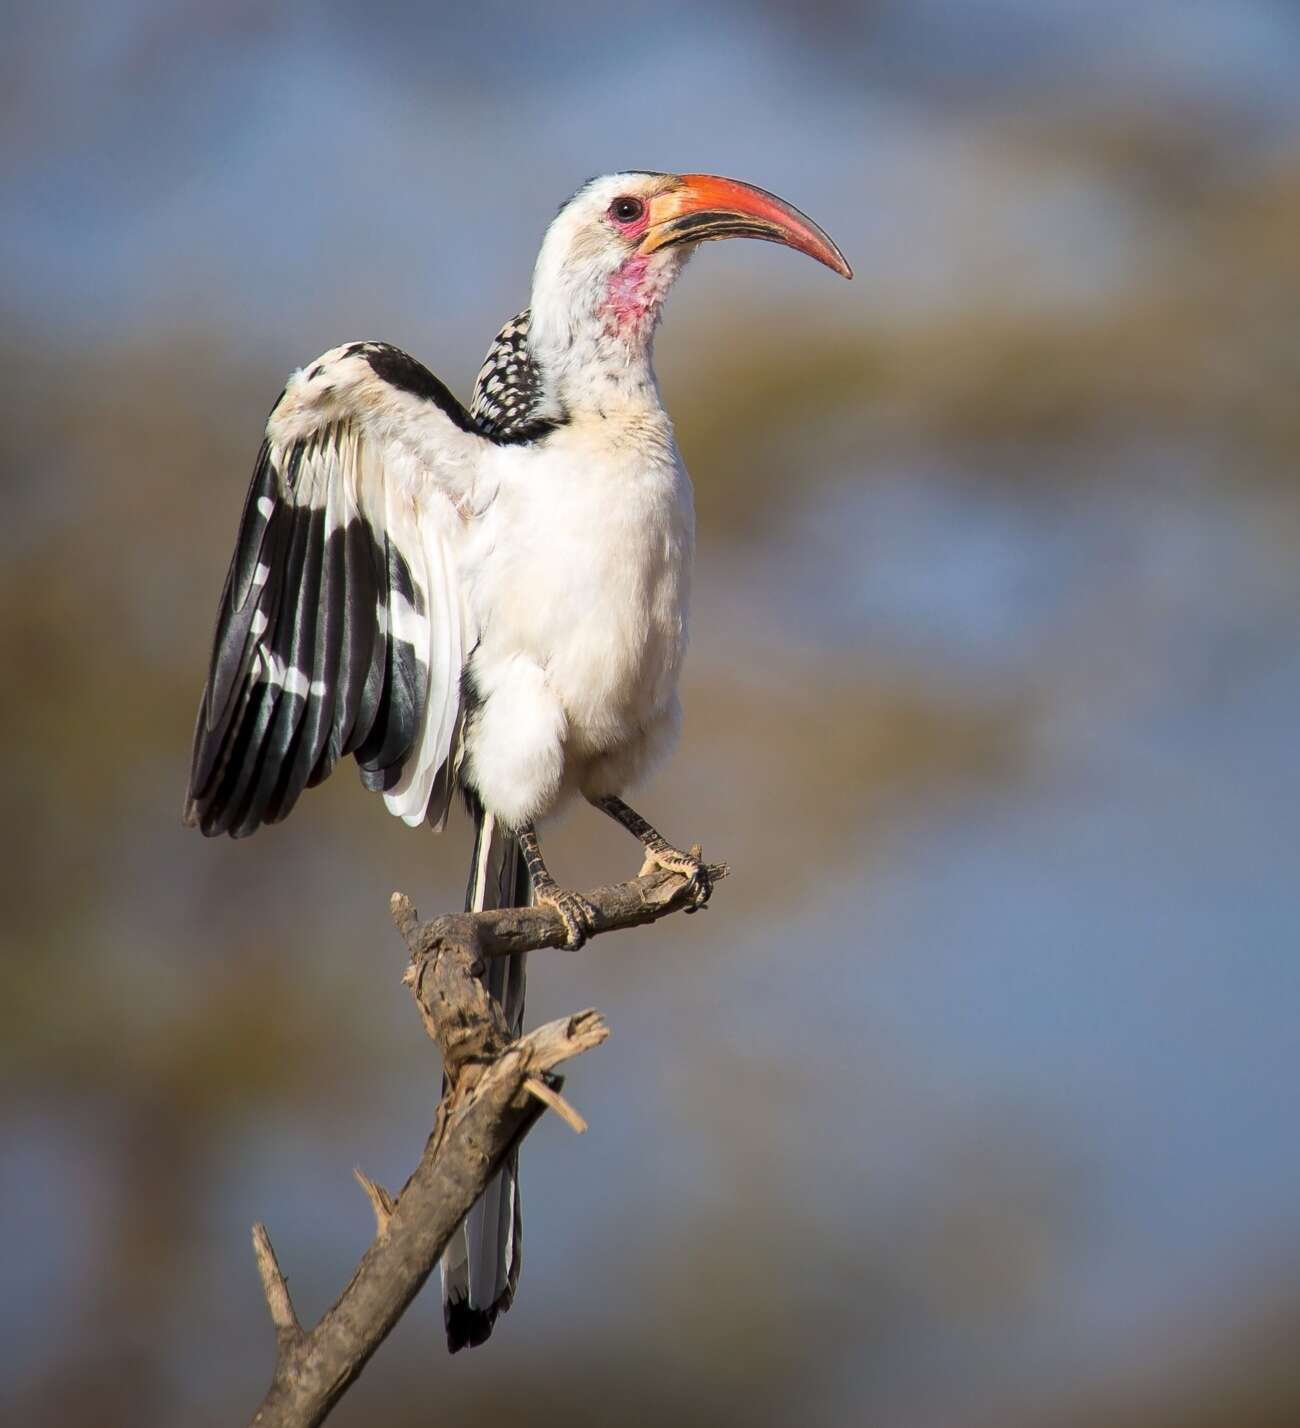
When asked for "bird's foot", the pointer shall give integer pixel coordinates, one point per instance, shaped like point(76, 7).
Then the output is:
point(690, 865)
point(578, 914)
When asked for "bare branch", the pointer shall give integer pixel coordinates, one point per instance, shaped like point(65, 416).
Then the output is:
point(381, 1202)
point(499, 1087)
point(529, 929)
point(288, 1331)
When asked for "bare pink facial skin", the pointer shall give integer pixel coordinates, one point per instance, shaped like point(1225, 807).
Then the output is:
point(631, 296)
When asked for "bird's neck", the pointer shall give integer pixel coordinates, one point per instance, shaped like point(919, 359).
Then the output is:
point(593, 338)
point(591, 372)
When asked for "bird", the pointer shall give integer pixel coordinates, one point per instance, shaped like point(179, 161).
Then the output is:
point(491, 600)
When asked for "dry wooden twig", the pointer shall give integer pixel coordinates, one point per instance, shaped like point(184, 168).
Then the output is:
point(498, 1089)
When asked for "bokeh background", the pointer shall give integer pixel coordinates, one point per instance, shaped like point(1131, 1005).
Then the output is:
point(973, 1099)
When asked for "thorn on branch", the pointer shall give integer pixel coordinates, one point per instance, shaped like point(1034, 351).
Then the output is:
point(381, 1201)
point(549, 1096)
point(403, 913)
point(288, 1331)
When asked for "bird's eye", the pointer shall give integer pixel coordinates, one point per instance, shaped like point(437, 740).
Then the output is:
point(627, 210)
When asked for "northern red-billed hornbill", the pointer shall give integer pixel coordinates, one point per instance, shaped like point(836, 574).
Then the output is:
point(492, 599)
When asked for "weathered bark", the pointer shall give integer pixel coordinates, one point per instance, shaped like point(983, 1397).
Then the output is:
point(498, 1088)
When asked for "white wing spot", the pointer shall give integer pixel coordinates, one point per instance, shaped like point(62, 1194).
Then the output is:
point(407, 623)
point(296, 682)
point(293, 681)
point(266, 505)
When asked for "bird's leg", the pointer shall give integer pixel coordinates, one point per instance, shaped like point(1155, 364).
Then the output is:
point(660, 853)
point(578, 914)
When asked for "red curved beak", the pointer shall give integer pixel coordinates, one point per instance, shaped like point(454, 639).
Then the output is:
point(703, 207)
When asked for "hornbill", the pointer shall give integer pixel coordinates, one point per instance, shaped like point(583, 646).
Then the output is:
point(492, 600)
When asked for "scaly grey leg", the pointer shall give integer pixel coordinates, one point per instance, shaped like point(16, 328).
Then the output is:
point(659, 852)
point(578, 914)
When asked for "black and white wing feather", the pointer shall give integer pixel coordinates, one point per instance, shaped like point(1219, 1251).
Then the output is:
point(342, 628)
point(508, 389)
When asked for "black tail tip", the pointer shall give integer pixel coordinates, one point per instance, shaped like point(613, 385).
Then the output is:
point(467, 1328)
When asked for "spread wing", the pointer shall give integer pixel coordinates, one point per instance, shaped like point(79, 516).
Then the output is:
point(342, 628)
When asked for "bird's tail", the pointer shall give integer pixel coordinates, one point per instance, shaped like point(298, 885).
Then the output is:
point(480, 1266)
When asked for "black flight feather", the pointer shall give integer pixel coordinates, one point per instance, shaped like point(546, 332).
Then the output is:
point(360, 637)
point(397, 724)
point(289, 642)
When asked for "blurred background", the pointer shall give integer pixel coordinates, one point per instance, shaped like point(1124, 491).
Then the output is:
point(973, 1099)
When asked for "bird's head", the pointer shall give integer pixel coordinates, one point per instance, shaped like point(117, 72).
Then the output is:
point(613, 250)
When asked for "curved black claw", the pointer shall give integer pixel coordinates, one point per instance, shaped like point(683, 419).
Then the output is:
point(689, 865)
point(578, 914)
